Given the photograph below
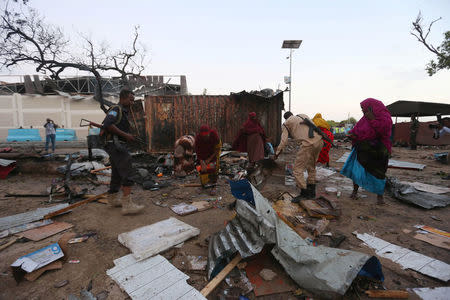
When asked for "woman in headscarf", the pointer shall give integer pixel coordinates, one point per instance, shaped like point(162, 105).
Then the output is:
point(251, 139)
point(368, 161)
point(184, 155)
point(324, 156)
point(207, 148)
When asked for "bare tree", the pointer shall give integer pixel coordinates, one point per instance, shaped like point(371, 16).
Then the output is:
point(442, 52)
point(26, 39)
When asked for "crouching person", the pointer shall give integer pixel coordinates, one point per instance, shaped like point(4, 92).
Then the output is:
point(116, 129)
point(207, 148)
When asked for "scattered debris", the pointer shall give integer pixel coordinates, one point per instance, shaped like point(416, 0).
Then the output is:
point(406, 258)
point(151, 278)
point(6, 166)
point(320, 269)
point(36, 260)
point(392, 163)
point(267, 274)
point(60, 284)
point(219, 277)
point(43, 232)
point(409, 194)
point(12, 241)
point(435, 293)
point(434, 239)
point(28, 217)
point(423, 187)
point(152, 239)
point(74, 261)
point(387, 294)
point(197, 263)
point(56, 265)
point(322, 207)
point(183, 209)
point(433, 230)
point(81, 238)
point(69, 207)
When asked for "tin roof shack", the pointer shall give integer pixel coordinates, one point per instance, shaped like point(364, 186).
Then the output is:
point(169, 117)
point(420, 109)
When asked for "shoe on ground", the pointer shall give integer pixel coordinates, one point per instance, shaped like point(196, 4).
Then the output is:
point(129, 207)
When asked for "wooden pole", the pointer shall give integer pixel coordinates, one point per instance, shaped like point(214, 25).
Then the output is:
point(55, 213)
point(396, 294)
point(219, 277)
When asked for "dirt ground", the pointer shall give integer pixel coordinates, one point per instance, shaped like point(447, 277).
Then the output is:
point(96, 255)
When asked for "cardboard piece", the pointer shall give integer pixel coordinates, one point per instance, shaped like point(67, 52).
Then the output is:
point(56, 265)
point(183, 209)
point(434, 239)
point(43, 232)
point(25, 227)
point(202, 205)
point(36, 260)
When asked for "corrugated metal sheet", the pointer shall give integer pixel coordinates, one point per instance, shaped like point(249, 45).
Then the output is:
point(327, 271)
point(31, 216)
point(424, 135)
point(169, 117)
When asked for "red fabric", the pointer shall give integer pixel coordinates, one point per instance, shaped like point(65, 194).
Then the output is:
point(324, 156)
point(205, 144)
point(251, 126)
point(4, 171)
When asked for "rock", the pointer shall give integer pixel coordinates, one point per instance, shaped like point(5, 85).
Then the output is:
point(142, 172)
point(267, 274)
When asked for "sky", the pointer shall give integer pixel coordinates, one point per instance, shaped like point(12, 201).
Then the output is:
point(351, 50)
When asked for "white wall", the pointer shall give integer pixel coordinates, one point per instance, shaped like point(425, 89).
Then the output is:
point(32, 110)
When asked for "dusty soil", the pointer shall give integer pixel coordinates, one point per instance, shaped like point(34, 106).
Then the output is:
point(96, 255)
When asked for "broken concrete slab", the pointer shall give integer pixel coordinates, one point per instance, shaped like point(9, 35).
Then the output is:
point(151, 278)
point(150, 240)
point(406, 258)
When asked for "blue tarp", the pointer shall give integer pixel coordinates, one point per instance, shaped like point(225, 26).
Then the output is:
point(65, 134)
point(23, 135)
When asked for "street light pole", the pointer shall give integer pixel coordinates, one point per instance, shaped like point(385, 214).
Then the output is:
point(291, 44)
point(290, 78)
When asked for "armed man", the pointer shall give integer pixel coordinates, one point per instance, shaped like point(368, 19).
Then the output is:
point(116, 133)
point(304, 132)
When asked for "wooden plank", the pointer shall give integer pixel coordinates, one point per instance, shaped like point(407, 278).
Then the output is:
point(55, 213)
point(43, 232)
point(434, 239)
point(435, 230)
point(12, 241)
point(396, 294)
point(219, 277)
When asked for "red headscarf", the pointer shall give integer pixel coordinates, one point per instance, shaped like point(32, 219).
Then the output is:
point(379, 128)
point(205, 142)
point(252, 125)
